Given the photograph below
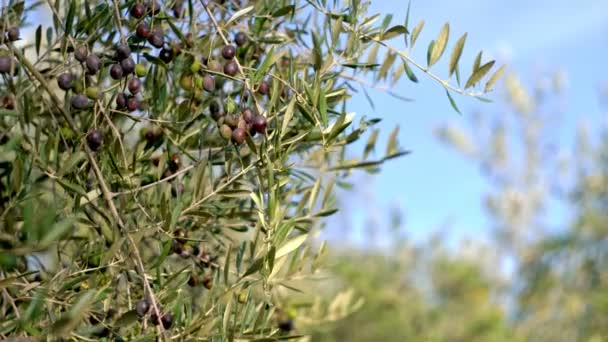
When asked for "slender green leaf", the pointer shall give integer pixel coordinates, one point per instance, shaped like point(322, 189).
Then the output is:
point(38, 39)
point(494, 78)
point(394, 31)
point(291, 245)
point(283, 11)
point(361, 65)
point(452, 102)
point(239, 14)
point(456, 53)
point(415, 33)
point(408, 71)
point(477, 62)
point(392, 147)
point(479, 74)
point(440, 44)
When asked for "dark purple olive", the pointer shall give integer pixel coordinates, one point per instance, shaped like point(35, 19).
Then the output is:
point(132, 104)
point(138, 11)
point(143, 30)
point(121, 101)
point(247, 115)
point(260, 123)
point(228, 52)
point(238, 135)
point(116, 71)
point(13, 33)
point(134, 85)
point(127, 65)
point(81, 53)
point(93, 63)
point(208, 83)
point(166, 55)
point(167, 320)
point(156, 39)
point(94, 139)
point(142, 307)
point(264, 88)
point(65, 80)
point(123, 51)
point(240, 38)
point(6, 64)
point(230, 68)
point(79, 101)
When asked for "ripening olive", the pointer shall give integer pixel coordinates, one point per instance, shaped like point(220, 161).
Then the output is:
point(240, 38)
point(65, 80)
point(138, 10)
point(238, 135)
point(94, 139)
point(123, 51)
point(259, 123)
point(128, 65)
point(116, 72)
point(143, 30)
point(79, 101)
point(228, 52)
point(81, 53)
point(231, 68)
point(93, 63)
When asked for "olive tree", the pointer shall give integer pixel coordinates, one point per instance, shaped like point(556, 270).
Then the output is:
point(164, 166)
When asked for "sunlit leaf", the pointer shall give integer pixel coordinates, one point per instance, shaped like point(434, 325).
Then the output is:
point(440, 44)
point(479, 74)
point(456, 53)
point(494, 78)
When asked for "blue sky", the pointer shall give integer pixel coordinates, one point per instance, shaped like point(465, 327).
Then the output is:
point(435, 185)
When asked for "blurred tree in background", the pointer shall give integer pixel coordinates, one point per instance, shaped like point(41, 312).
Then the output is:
point(543, 276)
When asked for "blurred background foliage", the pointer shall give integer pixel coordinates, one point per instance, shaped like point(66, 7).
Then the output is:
point(536, 279)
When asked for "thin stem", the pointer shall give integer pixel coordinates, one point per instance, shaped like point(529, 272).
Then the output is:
point(118, 22)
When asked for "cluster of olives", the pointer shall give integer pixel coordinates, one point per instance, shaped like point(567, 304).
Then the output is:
point(155, 35)
point(236, 127)
point(204, 258)
point(143, 307)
